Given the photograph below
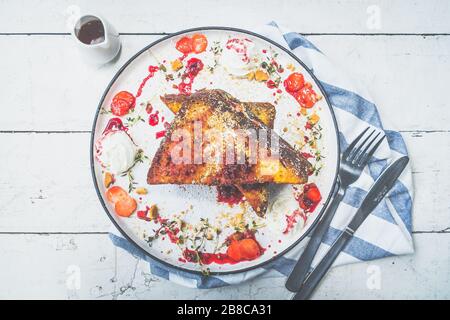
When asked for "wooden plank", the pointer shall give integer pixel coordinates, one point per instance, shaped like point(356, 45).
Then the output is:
point(48, 188)
point(424, 275)
point(407, 277)
point(48, 185)
point(431, 204)
point(56, 266)
point(42, 266)
point(403, 75)
point(367, 16)
point(50, 88)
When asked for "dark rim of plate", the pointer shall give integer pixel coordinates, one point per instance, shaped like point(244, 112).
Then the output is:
point(141, 248)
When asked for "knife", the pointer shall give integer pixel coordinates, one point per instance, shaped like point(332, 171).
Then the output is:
point(381, 187)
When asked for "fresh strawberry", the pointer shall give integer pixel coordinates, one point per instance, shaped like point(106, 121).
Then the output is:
point(122, 103)
point(249, 249)
point(245, 249)
point(307, 97)
point(115, 194)
point(126, 96)
point(314, 195)
point(199, 43)
point(184, 45)
point(294, 82)
point(125, 207)
point(120, 108)
point(234, 251)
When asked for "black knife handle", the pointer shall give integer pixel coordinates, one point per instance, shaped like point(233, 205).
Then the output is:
point(322, 268)
point(298, 274)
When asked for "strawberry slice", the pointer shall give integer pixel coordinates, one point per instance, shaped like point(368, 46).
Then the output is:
point(115, 194)
point(125, 207)
point(234, 251)
point(199, 43)
point(122, 103)
point(313, 194)
point(306, 96)
point(184, 45)
point(249, 249)
point(245, 249)
point(294, 82)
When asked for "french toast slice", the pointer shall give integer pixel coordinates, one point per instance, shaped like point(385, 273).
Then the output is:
point(263, 111)
point(257, 195)
point(213, 111)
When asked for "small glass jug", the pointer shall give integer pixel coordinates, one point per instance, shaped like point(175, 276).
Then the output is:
point(97, 40)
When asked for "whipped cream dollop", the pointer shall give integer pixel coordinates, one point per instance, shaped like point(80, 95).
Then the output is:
point(236, 56)
point(116, 151)
point(279, 209)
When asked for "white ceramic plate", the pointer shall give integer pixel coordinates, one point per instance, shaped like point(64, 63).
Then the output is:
point(194, 202)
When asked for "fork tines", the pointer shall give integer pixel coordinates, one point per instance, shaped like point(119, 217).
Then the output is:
point(360, 152)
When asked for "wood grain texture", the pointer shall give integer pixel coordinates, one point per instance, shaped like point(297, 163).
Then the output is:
point(50, 217)
point(105, 272)
point(330, 16)
point(48, 186)
point(57, 91)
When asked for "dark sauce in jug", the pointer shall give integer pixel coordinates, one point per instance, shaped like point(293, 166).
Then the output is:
point(91, 32)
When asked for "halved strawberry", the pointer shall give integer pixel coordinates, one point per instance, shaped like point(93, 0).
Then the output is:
point(184, 45)
point(245, 249)
point(120, 107)
point(294, 82)
point(125, 207)
point(249, 249)
point(122, 103)
point(306, 96)
point(234, 251)
point(126, 96)
point(313, 194)
point(199, 43)
point(115, 194)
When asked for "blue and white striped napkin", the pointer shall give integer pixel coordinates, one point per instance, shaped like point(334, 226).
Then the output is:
point(386, 232)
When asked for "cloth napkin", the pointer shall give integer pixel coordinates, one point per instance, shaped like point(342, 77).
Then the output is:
point(386, 232)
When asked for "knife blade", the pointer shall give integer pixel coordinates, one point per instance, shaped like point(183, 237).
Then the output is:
point(380, 188)
point(382, 185)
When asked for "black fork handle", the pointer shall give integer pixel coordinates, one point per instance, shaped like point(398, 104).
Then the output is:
point(300, 271)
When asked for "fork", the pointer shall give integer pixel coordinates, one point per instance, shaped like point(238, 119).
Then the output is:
point(353, 161)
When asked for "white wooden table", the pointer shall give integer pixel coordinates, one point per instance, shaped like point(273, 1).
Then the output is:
point(52, 227)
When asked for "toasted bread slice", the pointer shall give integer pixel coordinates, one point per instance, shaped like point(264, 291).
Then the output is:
point(257, 195)
point(263, 111)
point(215, 112)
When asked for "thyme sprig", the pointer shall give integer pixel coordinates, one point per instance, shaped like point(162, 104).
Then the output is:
point(131, 121)
point(316, 135)
point(131, 183)
point(139, 158)
point(104, 111)
point(216, 49)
